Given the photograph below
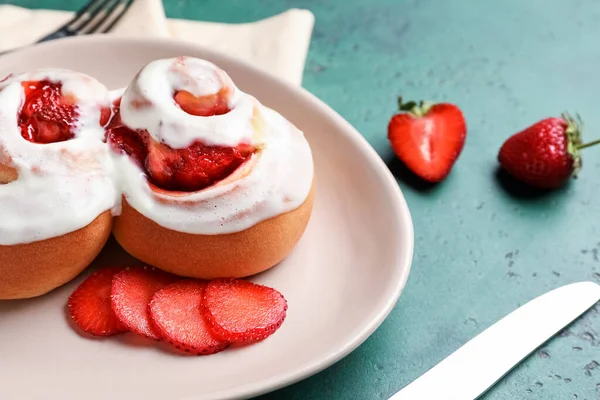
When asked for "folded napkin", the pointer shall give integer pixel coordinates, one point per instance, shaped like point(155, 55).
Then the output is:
point(277, 44)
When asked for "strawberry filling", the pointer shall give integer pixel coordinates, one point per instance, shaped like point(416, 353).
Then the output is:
point(48, 116)
point(205, 106)
point(193, 168)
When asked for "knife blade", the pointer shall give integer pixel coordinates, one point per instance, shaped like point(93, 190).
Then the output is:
point(476, 366)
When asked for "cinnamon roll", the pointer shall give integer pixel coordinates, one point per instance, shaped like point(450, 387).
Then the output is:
point(56, 186)
point(214, 184)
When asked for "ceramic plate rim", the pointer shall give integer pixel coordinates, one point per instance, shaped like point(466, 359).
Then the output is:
point(389, 186)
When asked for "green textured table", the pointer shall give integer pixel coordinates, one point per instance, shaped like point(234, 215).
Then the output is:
point(483, 245)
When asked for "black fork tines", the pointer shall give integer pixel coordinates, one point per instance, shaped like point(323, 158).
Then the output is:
point(97, 16)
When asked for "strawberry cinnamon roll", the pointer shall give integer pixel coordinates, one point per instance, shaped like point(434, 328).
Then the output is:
point(56, 189)
point(214, 183)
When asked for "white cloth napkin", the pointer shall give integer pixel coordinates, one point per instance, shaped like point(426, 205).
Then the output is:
point(277, 44)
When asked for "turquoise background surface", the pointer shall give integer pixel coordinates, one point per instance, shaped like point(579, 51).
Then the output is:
point(483, 245)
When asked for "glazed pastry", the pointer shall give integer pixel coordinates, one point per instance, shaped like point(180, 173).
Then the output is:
point(214, 184)
point(56, 189)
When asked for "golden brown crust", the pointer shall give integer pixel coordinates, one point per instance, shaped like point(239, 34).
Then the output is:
point(33, 269)
point(237, 255)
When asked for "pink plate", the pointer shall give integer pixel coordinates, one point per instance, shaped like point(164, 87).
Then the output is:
point(341, 281)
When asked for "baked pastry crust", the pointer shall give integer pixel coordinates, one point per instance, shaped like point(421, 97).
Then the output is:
point(235, 255)
point(33, 269)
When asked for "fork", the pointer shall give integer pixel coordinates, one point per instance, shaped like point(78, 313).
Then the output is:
point(97, 16)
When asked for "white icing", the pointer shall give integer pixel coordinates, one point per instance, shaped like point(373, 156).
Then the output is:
point(61, 186)
point(277, 180)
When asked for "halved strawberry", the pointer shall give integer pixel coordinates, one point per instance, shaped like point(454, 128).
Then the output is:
point(175, 312)
point(89, 305)
point(243, 312)
point(428, 137)
point(132, 290)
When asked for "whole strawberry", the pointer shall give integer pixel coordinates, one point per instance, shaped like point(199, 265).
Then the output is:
point(428, 137)
point(546, 154)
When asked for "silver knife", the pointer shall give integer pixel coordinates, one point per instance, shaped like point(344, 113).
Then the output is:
point(475, 367)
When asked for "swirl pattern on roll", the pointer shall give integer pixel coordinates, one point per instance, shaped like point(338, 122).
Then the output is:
point(275, 179)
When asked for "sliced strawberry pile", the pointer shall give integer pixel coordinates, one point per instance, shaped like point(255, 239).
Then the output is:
point(132, 290)
point(47, 116)
point(243, 312)
point(190, 169)
point(175, 311)
point(90, 307)
point(195, 317)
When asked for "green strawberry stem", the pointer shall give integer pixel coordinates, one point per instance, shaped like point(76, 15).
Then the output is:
point(417, 109)
point(589, 144)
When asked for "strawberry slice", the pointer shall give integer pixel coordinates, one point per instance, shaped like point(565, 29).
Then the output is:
point(132, 290)
point(243, 312)
point(90, 307)
point(175, 312)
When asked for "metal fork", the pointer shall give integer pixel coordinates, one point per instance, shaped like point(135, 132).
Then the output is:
point(97, 16)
